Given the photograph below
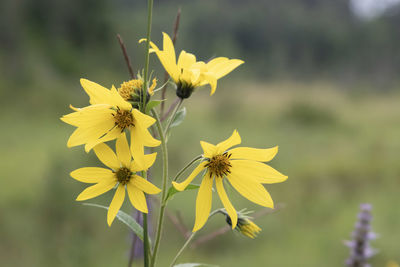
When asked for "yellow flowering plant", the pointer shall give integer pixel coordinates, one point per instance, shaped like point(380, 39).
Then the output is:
point(128, 117)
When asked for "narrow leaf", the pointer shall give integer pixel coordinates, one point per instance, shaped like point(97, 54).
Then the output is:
point(179, 117)
point(125, 218)
point(172, 191)
point(152, 104)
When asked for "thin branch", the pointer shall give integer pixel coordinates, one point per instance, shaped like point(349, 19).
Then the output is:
point(176, 221)
point(171, 108)
point(127, 60)
point(166, 76)
point(225, 229)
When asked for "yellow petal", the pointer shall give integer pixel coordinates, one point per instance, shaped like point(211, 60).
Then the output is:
point(88, 116)
point(230, 142)
point(123, 151)
point(107, 156)
point(253, 191)
point(186, 60)
point(97, 93)
point(143, 119)
point(137, 197)
point(209, 150)
point(225, 201)
point(203, 202)
point(96, 190)
point(169, 49)
point(116, 204)
point(137, 147)
point(212, 80)
point(222, 66)
point(144, 185)
point(195, 172)
point(110, 135)
point(92, 174)
point(148, 161)
point(257, 172)
point(256, 154)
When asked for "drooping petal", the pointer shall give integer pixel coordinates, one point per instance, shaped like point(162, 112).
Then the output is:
point(256, 171)
point(195, 172)
point(209, 150)
point(107, 156)
point(116, 204)
point(253, 191)
point(230, 142)
point(263, 155)
point(144, 185)
point(96, 190)
point(225, 201)
point(148, 161)
point(123, 151)
point(137, 147)
point(137, 197)
point(212, 80)
point(203, 202)
point(92, 174)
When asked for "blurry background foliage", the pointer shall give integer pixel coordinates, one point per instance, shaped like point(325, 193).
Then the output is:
point(319, 81)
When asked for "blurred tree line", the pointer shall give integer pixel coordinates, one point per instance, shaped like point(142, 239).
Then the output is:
point(291, 38)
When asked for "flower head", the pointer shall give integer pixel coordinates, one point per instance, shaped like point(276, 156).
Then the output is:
point(244, 224)
point(106, 119)
point(121, 173)
point(132, 91)
point(242, 167)
point(188, 73)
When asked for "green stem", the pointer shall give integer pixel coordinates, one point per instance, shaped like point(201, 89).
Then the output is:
point(187, 166)
point(190, 239)
point(145, 241)
point(146, 65)
point(164, 187)
point(171, 119)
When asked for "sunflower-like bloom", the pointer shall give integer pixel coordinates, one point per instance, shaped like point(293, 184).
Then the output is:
point(121, 173)
point(242, 167)
point(106, 119)
point(188, 73)
point(132, 91)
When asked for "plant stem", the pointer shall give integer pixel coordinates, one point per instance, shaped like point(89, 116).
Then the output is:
point(146, 65)
point(171, 119)
point(145, 241)
point(164, 186)
point(185, 168)
point(190, 239)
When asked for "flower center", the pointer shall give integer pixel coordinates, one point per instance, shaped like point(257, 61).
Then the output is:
point(123, 175)
point(123, 119)
point(219, 165)
point(130, 88)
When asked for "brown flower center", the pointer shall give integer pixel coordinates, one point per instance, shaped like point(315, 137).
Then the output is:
point(219, 165)
point(123, 175)
point(123, 119)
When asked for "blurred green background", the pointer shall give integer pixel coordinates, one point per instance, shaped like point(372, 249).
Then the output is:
point(320, 80)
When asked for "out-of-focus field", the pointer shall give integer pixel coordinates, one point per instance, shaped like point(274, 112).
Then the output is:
point(339, 149)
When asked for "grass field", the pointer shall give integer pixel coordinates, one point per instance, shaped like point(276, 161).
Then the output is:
point(339, 147)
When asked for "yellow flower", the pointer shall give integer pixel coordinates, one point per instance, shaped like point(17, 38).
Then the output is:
point(188, 73)
point(122, 174)
point(244, 170)
point(132, 90)
point(107, 118)
point(244, 224)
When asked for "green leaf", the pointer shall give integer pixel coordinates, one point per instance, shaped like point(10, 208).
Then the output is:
point(172, 191)
point(195, 265)
point(152, 104)
point(179, 117)
point(125, 218)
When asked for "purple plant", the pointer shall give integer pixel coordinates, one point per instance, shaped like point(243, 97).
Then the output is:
point(360, 249)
